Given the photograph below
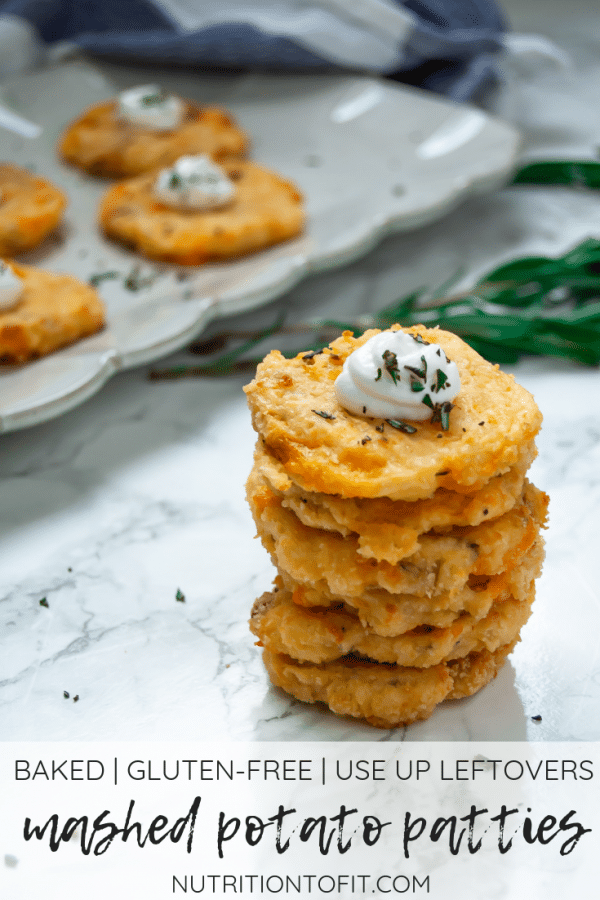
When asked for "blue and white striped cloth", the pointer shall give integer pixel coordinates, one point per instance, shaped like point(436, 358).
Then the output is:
point(447, 45)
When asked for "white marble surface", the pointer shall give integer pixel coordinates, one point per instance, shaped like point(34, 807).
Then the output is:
point(112, 508)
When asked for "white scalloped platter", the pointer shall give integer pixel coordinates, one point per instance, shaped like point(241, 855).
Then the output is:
point(370, 156)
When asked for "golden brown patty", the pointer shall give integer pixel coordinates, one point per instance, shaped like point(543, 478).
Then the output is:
point(321, 635)
point(492, 427)
point(30, 208)
point(387, 529)
point(390, 615)
point(442, 563)
point(102, 144)
point(266, 210)
point(385, 695)
point(54, 310)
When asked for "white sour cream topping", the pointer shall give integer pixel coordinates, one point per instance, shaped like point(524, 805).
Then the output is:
point(149, 107)
point(194, 182)
point(391, 375)
point(11, 287)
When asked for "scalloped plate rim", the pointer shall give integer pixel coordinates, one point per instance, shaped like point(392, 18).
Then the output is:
point(300, 266)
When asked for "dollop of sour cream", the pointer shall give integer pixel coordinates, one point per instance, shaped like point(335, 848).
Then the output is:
point(194, 183)
point(11, 287)
point(150, 107)
point(397, 375)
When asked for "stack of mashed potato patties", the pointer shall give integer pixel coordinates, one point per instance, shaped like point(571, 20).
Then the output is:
point(389, 488)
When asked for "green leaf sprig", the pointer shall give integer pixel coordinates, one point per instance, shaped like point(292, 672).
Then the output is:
point(536, 305)
point(569, 172)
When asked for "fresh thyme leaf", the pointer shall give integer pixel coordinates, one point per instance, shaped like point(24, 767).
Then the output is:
point(324, 415)
point(399, 425)
point(180, 596)
point(44, 602)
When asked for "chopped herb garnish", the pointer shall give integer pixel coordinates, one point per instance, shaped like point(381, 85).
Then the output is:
point(416, 386)
point(441, 411)
point(445, 411)
point(420, 373)
point(391, 364)
point(175, 181)
point(44, 602)
point(485, 512)
point(153, 99)
point(399, 425)
point(180, 596)
point(419, 339)
point(378, 374)
point(365, 440)
point(134, 281)
point(311, 354)
point(441, 381)
point(536, 718)
point(364, 410)
point(324, 415)
point(379, 428)
point(75, 698)
point(482, 423)
point(95, 280)
point(66, 695)
point(445, 472)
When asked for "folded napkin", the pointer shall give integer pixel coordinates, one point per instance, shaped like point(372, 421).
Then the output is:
point(445, 45)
